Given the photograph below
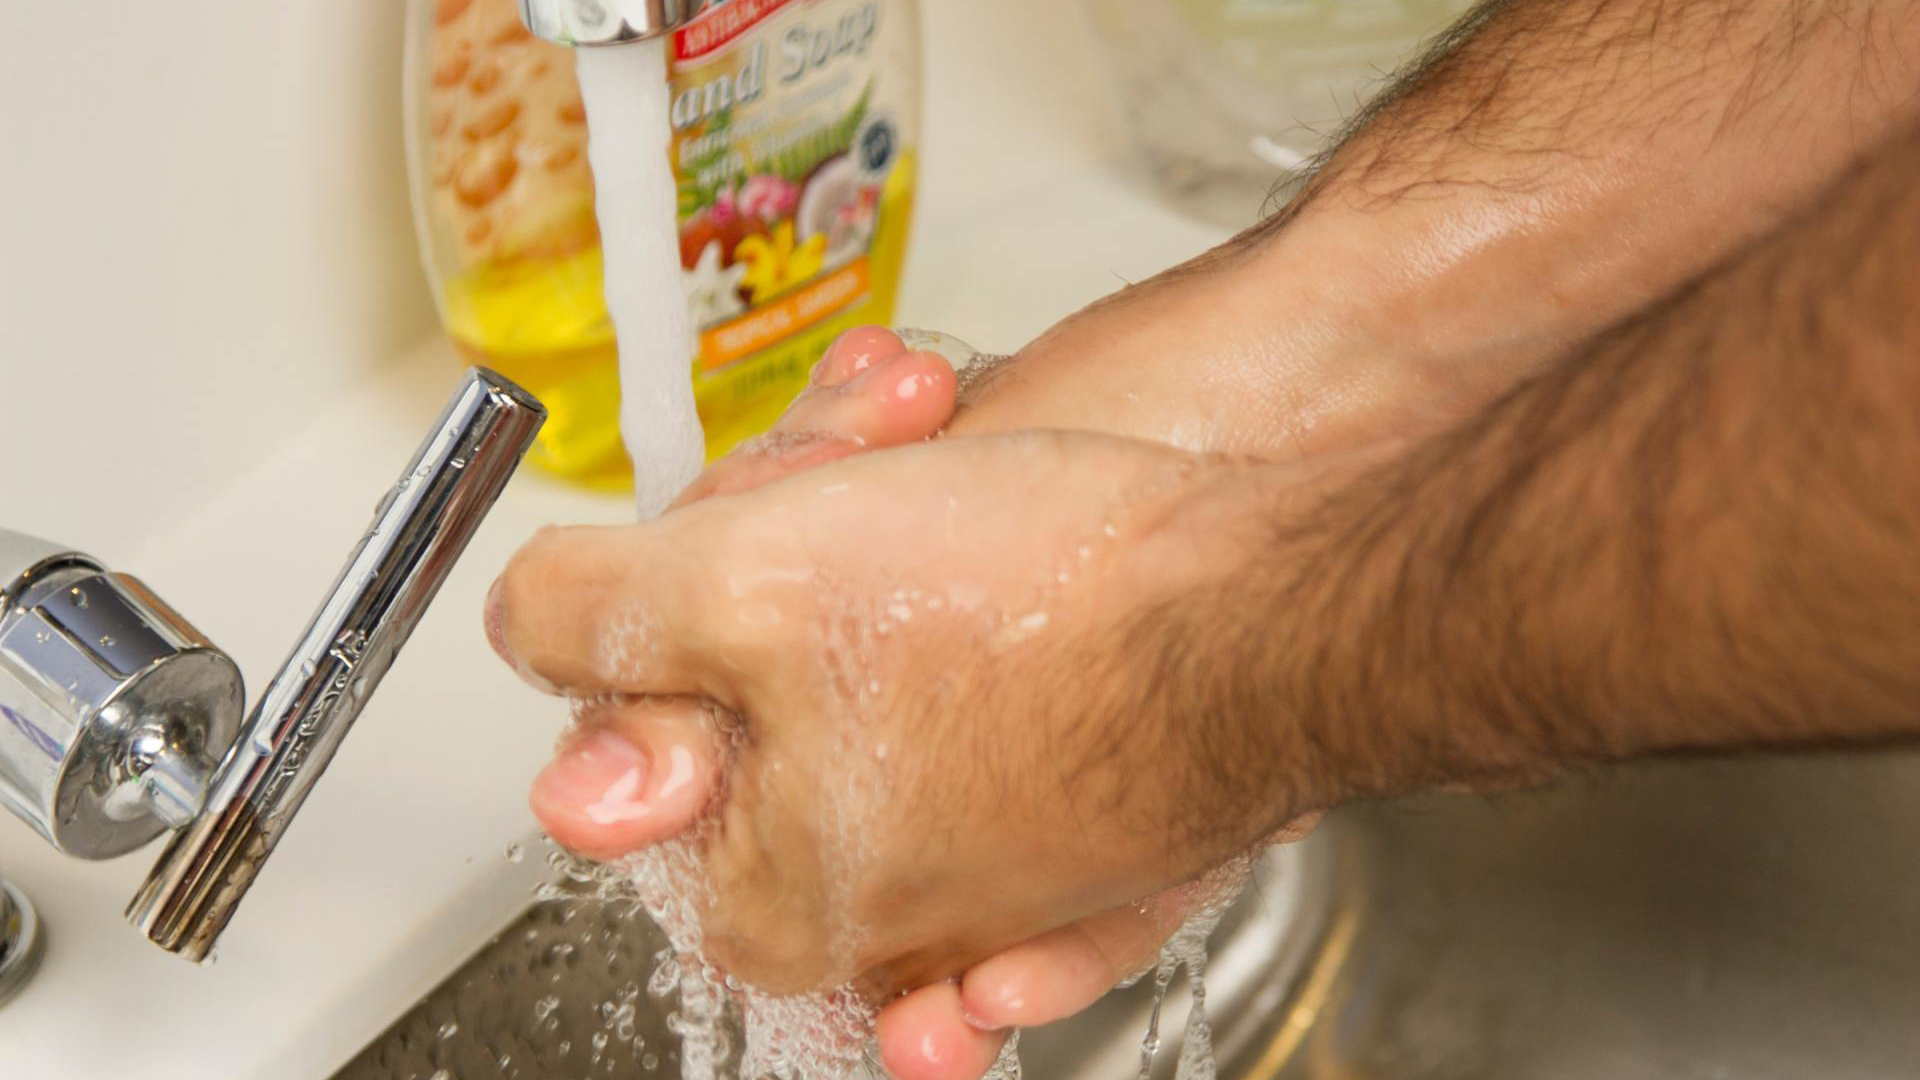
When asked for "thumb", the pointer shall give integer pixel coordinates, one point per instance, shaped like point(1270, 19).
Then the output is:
point(636, 772)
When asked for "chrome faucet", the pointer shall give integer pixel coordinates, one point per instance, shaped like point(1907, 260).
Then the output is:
point(606, 22)
point(120, 721)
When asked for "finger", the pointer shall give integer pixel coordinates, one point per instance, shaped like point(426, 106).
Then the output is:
point(1063, 971)
point(635, 774)
point(905, 398)
point(854, 352)
point(598, 609)
point(849, 356)
point(1298, 829)
point(924, 1036)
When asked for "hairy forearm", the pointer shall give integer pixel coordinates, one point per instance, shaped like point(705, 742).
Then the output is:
point(1557, 164)
point(1698, 533)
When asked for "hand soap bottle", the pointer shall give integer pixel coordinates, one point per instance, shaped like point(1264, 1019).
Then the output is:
point(794, 133)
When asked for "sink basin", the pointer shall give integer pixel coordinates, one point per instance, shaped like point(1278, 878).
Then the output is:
point(1749, 920)
point(561, 993)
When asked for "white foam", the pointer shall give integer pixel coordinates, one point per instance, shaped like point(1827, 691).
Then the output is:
point(625, 90)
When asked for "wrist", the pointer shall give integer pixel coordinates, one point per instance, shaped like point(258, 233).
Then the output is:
point(1344, 658)
point(1212, 637)
point(1232, 353)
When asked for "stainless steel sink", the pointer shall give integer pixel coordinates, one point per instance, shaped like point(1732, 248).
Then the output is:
point(1749, 920)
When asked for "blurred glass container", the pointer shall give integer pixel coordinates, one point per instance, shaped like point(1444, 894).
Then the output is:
point(1228, 99)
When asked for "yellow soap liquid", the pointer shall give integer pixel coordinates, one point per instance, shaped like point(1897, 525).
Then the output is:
point(543, 323)
point(795, 168)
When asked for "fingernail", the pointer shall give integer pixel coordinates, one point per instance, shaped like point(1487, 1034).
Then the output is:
point(853, 353)
point(876, 375)
point(601, 778)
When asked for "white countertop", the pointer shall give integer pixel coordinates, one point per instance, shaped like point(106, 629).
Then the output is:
point(395, 869)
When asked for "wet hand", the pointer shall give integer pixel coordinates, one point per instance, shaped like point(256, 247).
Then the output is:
point(950, 1030)
point(1049, 977)
point(922, 648)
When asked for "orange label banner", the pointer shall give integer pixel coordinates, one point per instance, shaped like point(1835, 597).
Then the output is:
point(784, 317)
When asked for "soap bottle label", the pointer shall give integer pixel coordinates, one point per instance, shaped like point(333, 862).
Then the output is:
point(794, 131)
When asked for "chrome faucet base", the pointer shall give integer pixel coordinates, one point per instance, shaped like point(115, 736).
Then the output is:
point(418, 532)
point(114, 710)
point(119, 721)
point(606, 22)
point(20, 941)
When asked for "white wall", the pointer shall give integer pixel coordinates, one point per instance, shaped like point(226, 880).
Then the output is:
point(203, 227)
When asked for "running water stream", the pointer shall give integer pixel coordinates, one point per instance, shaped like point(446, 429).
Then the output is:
point(625, 91)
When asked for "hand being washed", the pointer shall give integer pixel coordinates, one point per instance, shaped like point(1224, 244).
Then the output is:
point(1024, 556)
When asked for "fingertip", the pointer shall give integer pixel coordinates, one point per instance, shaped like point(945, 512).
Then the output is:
point(631, 780)
point(1032, 984)
point(912, 397)
point(493, 620)
point(1298, 829)
point(924, 1036)
point(855, 351)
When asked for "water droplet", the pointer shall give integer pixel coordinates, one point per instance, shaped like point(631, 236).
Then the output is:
point(78, 596)
point(42, 636)
point(457, 463)
point(106, 641)
point(359, 687)
point(515, 853)
point(448, 1030)
point(441, 1074)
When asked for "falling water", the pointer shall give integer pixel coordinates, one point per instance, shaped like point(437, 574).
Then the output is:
point(625, 90)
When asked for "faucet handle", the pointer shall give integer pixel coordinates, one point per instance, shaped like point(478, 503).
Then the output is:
point(114, 710)
point(418, 532)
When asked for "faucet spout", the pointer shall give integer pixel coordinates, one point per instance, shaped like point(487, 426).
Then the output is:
point(606, 22)
point(418, 532)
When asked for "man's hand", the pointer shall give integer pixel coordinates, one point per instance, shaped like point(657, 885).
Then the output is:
point(936, 663)
point(943, 1031)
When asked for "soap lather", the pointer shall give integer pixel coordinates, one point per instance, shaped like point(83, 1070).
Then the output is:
point(120, 721)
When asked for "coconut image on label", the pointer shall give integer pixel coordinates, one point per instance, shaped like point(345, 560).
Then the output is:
point(837, 204)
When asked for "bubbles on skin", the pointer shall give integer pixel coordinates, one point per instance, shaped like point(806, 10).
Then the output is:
point(781, 443)
point(630, 645)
